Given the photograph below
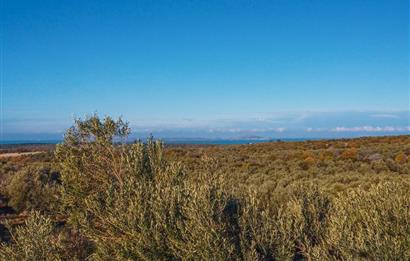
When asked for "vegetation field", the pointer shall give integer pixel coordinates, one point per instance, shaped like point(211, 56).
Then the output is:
point(96, 196)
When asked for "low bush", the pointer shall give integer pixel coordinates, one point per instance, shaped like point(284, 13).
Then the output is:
point(34, 187)
point(33, 241)
point(370, 224)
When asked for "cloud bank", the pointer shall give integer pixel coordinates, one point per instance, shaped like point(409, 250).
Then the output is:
point(264, 125)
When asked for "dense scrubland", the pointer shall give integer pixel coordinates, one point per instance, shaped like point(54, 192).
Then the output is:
point(99, 197)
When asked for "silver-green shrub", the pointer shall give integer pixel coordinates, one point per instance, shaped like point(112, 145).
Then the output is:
point(32, 241)
point(371, 225)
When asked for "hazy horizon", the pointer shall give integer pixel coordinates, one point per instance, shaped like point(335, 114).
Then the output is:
point(299, 126)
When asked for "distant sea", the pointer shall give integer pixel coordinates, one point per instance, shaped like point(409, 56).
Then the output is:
point(224, 141)
point(170, 141)
point(21, 142)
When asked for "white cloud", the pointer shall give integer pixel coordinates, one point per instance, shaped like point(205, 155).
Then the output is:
point(245, 130)
point(280, 129)
point(386, 116)
point(370, 129)
point(315, 129)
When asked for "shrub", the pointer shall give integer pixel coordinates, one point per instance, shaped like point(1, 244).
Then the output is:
point(90, 161)
point(149, 209)
point(270, 232)
point(325, 155)
point(34, 241)
point(307, 163)
point(371, 225)
point(34, 187)
point(349, 154)
point(401, 158)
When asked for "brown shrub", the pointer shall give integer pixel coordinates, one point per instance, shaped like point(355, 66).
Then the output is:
point(307, 163)
point(400, 158)
point(349, 154)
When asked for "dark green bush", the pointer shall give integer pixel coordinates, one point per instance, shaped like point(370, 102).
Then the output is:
point(34, 187)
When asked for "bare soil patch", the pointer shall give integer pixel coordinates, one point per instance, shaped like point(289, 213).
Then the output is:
point(17, 154)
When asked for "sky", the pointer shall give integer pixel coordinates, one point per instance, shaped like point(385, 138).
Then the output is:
point(232, 69)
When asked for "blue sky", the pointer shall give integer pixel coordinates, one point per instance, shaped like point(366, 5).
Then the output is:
point(207, 68)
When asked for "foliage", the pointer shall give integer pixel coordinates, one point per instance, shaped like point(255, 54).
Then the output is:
point(371, 225)
point(33, 241)
point(34, 187)
point(90, 161)
point(146, 206)
point(401, 158)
